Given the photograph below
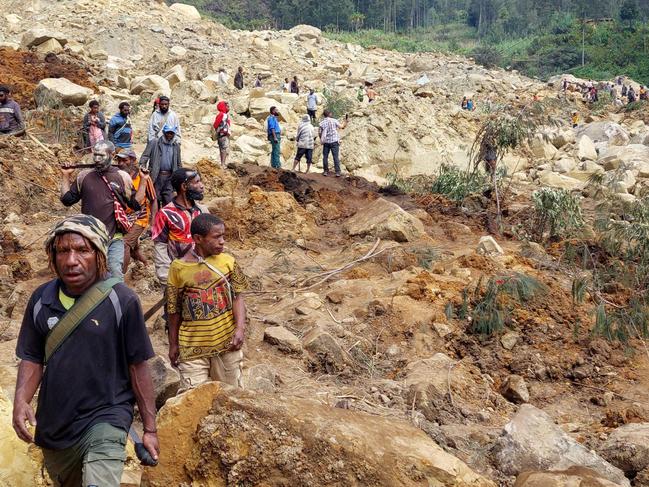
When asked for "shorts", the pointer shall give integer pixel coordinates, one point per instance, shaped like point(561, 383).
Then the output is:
point(225, 367)
point(224, 143)
point(132, 238)
point(308, 153)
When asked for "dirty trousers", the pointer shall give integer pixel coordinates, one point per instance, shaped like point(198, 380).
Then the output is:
point(225, 367)
point(96, 459)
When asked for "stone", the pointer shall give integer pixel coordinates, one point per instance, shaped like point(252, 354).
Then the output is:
point(326, 351)
point(219, 435)
point(279, 48)
point(50, 45)
point(564, 165)
point(572, 477)
point(627, 447)
point(54, 92)
point(488, 246)
point(515, 390)
point(260, 110)
point(560, 181)
point(586, 149)
point(38, 35)
point(305, 32)
point(283, 339)
point(251, 146)
point(632, 156)
point(189, 12)
point(605, 131)
point(442, 329)
point(531, 441)
point(386, 220)
point(563, 138)
point(510, 339)
point(175, 75)
point(178, 51)
point(151, 83)
point(542, 149)
point(421, 63)
point(166, 380)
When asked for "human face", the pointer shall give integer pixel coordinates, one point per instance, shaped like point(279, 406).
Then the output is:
point(169, 136)
point(125, 111)
point(194, 188)
point(164, 106)
point(3, 97)
point(75, 262)
point(212, 243)
point(94, 109)
point(124, 163)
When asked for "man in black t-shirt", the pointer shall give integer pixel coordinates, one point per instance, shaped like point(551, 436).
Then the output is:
point(91, 382)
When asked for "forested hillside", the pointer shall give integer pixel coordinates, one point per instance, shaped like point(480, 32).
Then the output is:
point(592, 38)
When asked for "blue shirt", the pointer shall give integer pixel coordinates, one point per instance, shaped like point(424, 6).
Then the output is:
point(273, 124)
point(120, 132)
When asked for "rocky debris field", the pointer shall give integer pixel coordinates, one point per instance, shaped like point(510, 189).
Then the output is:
point(363, 365)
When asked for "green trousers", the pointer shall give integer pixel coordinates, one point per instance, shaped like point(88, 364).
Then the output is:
point(274, 154)
point(97, 459)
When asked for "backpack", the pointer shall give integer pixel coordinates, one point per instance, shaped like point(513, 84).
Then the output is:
point(223, 129)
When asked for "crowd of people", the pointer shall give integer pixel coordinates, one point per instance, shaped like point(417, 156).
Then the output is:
point(619, 92)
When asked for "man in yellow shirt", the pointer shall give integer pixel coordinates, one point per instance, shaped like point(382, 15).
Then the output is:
point(207, 314)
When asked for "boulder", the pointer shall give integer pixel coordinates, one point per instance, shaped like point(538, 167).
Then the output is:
point(175, 75)
point(627, 447)
point(166, 380)
point(55, 92)
point(573, 477)
point(510, 339)
point(38, 35)
point(283, 339)
point(419, 63)
point(542, 149)
point(531, 441)
point(563, 138)
point(326, 352)
point(189, 12)
point(488, 246)
point(260, 109)
point(223, 436)
point(50, 45)
point(515, 390)
point(586, 149)
point(632, 156)
point(604, 131)
point(239, 104)
point(251, 146)
point(564, 165)
point(305, 32)
point(555, 180)
point(387, 220)
point(178, 51)
point(279, 48)
point(150, 83)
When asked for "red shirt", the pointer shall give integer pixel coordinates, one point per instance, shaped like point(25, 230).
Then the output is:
point(172, 226)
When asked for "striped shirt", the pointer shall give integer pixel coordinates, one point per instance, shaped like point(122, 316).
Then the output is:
point(329, 131)
point(204, 299)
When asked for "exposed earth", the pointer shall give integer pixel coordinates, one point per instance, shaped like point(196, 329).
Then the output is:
point(361, 367)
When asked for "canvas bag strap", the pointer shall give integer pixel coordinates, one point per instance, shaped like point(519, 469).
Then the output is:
point(75, 315)
point(162, 124)
point(216, 271)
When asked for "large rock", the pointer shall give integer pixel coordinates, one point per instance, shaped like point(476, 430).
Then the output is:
point(586, 149)
point(252, 438)
point(260, 109)
point(175, 75)
point(542, 149)
point(384, 219)
point(531, 441)
point(573, 477)
point(305, 32)
point(419, 63)
point(50, 45)
point(187, 11)
point(251, 146)
point(326, 352)
point(283, 339)
point(488, 246)
point(166, 380)
point(151, 83)
point(555, 180)
point(55, 92)
point(605, 131)
point(515, 389)
point(627, 447)
point(562, 138)
point(633, 156)
point(38, 35)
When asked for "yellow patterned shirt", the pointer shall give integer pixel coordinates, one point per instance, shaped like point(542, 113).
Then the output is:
point(204, 301)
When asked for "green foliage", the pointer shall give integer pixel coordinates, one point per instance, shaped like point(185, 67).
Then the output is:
point(556, 212)
point(457, 184)
point(493, 305)
point(337, 103)
point(579, 288)
point(486, 55)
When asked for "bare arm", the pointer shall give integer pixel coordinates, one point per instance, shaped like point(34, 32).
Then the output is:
point(143, 388)
point(174, 325)
point(239, 311)
point(140, 194)
point(29, 378)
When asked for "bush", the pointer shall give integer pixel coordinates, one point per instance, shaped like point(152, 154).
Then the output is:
point(557, 212)
point(338, 104)
point(457, 184)
point(488, 56)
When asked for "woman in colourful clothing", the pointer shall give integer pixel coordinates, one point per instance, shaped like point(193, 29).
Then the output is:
point(207, 314)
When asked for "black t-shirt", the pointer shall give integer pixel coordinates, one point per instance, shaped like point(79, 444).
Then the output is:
point(87, 380)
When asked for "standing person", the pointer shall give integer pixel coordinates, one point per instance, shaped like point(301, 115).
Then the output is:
point(258, 81)
point(287, 85)
point(162, 116)
point(294, 87)
point(127, 162)
point(360, 94)
point(94, 125)
point(222, 77)
point(238, 79)
point(105, 192)
point(464, 103)
point(371, 94)
point(469, 105)
point(624, 90)
point(120, 132)
point(304, 140)
point(96, 359)
point(274, 131)
point(11, 118)
point(207, 313)
point(221, 126)
point(630, 94)
point(162, 157)
point(311, 104)
point(328, 133)
point(171, 228)
point(575, 119)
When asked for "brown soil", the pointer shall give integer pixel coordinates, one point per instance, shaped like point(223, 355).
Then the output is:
point(22, 71)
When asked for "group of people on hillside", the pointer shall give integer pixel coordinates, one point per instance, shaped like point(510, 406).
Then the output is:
point(619, 91)
point(467, 104)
